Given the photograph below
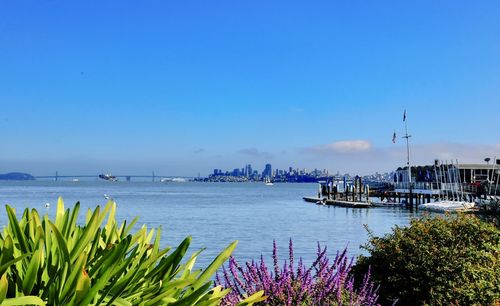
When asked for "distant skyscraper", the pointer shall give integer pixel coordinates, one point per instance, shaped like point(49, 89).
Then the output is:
point(248, 171)
point(268, 171)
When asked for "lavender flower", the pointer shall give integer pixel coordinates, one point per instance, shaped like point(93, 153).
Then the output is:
point(323, 283)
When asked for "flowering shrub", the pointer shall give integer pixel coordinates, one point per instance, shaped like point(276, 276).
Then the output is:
point(325, 282)
point(450, 260)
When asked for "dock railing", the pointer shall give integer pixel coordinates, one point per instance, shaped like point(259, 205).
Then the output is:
point(416, 185)
point(438, 187)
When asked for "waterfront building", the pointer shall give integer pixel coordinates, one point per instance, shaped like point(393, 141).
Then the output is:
point(445, 177)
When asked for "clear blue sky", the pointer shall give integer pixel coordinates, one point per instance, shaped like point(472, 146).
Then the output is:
point(181, 87)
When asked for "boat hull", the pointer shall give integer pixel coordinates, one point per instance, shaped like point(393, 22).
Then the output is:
point(386, 204)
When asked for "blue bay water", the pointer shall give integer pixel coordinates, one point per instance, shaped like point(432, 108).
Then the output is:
point(215, 214)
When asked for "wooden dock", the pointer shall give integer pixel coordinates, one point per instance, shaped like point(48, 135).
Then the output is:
point(349, 204)
point(340, 203)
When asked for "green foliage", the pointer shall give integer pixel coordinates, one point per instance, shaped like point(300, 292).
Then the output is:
point(437, 260)
point(100, 263)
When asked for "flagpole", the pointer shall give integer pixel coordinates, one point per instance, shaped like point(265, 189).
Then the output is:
point(407, 137)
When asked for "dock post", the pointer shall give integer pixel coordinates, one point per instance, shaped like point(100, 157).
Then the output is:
point(411, 195)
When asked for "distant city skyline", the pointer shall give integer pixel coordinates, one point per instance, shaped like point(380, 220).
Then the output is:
point(180, 88)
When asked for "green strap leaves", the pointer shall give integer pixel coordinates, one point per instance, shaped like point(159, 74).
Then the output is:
point(98, 262)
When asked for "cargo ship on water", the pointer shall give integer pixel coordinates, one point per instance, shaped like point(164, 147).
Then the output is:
point(108, 177)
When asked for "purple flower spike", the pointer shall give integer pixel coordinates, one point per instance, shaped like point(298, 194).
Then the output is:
point(290, 251)
point(275, 259)
point(320, 284)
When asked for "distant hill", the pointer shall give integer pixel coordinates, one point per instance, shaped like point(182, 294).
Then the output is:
point(17, 176)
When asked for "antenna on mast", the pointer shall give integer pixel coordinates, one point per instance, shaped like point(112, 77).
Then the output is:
point(407, 137)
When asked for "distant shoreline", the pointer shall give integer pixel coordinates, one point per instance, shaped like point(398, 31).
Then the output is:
point(17, 176)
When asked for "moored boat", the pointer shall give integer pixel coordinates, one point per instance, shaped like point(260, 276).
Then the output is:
point(384, 203)
point(447, 206)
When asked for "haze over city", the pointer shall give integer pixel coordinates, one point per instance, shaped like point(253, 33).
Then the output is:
point(183, 88)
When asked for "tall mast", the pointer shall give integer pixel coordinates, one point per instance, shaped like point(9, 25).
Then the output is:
point(444, 183)
point(496, 185)
point(492, 175)
point(462, 197)
point(407, 149)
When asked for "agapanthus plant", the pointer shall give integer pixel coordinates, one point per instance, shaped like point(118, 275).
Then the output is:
point(325, 282)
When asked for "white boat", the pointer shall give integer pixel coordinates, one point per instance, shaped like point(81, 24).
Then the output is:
point(454, 202)
point(268, 182)
point(447, 206)
point(385, 203)
point(179, 180)
point(174, 180)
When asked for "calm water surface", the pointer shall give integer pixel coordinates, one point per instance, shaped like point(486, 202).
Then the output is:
point(215, 214)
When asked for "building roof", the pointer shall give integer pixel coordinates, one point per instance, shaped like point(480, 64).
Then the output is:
point(478, 166)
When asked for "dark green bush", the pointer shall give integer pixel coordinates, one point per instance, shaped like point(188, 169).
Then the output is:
point(437, 261)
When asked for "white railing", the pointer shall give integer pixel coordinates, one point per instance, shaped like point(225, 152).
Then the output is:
point(417, 185)
point(444, 187)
